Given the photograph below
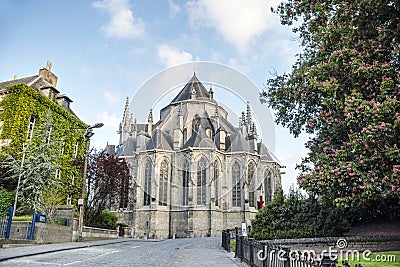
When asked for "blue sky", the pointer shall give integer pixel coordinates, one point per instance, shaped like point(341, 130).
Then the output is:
point(103, 51)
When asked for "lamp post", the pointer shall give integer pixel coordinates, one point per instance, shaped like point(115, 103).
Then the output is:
point(19, 179)
point(88, 134)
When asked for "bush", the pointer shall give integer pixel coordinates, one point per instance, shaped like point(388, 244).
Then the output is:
point(297, 216)
point(107, 219)
point(6, 198)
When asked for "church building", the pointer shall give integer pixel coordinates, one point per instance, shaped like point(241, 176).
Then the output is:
point(194, 172)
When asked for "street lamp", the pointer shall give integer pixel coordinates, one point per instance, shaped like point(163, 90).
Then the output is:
point(88, 134)
point(19, 179)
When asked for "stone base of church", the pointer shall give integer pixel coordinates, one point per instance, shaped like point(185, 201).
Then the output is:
point(182, 223)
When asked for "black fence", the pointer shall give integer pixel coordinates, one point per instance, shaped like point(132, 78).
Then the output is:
point(5, 221)
point(267, 254)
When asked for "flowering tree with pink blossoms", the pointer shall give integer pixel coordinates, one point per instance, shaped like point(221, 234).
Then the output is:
point(344, 90)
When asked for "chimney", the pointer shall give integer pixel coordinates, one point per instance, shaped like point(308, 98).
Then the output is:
point(47, 75)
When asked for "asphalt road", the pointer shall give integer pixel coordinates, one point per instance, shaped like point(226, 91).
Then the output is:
point(173, 253)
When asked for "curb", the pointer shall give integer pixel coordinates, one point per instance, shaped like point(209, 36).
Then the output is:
point(87, 245)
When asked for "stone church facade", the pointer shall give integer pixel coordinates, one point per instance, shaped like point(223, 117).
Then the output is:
point(193, 172)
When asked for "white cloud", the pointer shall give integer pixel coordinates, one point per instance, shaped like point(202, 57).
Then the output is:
point(239, 21)
point(110, 121)
point(111, 98)
point(84, 70)
point(174, 8)
point(122, 22)
point(171, 56)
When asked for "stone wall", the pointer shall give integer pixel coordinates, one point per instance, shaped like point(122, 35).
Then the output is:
point(92, 233)
point(44, 232)
point(348, 243)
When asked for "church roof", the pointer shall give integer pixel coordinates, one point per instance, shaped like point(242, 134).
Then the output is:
point(199, 139)
point(159, 140)
point(194, 86)
point(237, 143)
point(128, 147)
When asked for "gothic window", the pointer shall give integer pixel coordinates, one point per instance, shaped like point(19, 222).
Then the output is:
point(163, 184)
point(268, 185)
point(185, 135)
point(251, 182)
point(195, 123)
point(147, 183)
point(124, 190)
point(216, 181)
point(236, 188)
point(31, 127)
point(185, 183)
point(201, 182)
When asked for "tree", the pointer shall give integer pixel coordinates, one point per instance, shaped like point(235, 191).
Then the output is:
point(108, 185)
point(344, 91)
point(38, 173)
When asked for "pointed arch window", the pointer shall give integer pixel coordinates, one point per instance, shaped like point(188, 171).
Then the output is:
point(236, 188)
point(251, 182)
point(147, 183)
point(185, 183)
point(163, 184)
point(195, 123)
point(217, 170)
point(201, 181)
point(268, 185)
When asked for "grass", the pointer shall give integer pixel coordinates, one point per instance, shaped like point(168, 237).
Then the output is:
point(233, 244)
point(378, 259)
point(23, 218)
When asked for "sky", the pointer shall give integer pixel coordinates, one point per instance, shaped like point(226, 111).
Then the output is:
point(106, 50)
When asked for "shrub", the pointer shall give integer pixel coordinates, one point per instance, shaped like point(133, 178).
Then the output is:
point(107, 219)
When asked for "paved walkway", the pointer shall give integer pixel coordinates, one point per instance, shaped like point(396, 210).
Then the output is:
point(204, 252)
point(18, 251)
point(208, 253)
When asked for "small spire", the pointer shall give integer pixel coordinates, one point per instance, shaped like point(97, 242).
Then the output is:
point(243, 121)
point(211, 92)
point(249, 121)
point(150, 118)
point(126, 110)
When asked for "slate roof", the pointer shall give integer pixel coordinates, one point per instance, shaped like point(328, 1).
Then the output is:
point(199, 139)
point(186, 93)
point(159, 140)
point(237, 143)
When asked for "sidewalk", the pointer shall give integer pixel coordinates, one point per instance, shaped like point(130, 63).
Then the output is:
point(30, 250)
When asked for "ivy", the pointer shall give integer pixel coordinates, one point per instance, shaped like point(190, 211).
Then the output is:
point(19, 105)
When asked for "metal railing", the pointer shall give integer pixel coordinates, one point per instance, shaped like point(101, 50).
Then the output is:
point(267, 254)
point(5, 221)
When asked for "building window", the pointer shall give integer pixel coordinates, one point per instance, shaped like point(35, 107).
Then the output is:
point(48, 134)
point(62, 147)
point(185, 183)
point(147, 183)
point(58, 174)
point(236, 188)
point(76, 149)
point(31, 127)
point(216, 181)
point(195, 123)
point(124, 189)
point(201, 181)
point(73, 179)
point(268, 186)
point(251, 182)
point(163, 184)
point(1, 126)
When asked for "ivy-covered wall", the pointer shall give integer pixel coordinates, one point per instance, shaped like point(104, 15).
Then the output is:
point(18, 107)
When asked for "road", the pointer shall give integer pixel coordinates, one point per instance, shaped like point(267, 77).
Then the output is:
point(172, 253)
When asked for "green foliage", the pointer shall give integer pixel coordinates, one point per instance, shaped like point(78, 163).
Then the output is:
point(20, 104)
point(6, 198)
point(296, 216)
point(107, 219)
point(344, 90)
